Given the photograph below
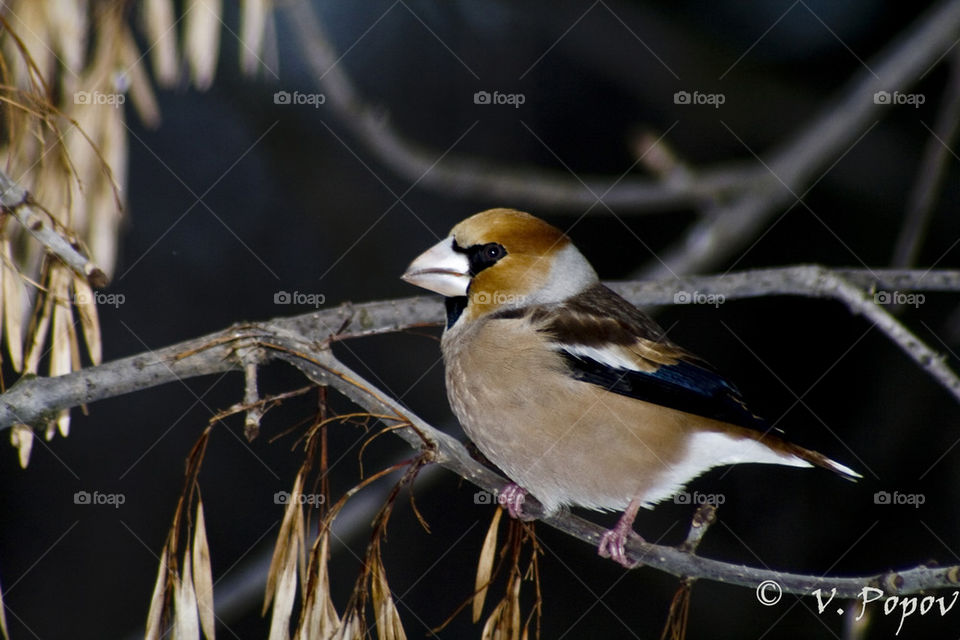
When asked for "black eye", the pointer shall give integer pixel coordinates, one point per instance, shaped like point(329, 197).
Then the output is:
point(493, 251)
point(482, 256)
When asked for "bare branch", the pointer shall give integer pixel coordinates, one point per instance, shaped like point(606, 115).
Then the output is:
point(322, 367)
point(33, 400)
point(15, 200)
point(304, 341)
point(855, 288)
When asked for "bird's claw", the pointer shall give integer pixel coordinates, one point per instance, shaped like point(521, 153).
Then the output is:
point(511, 497)
point(613, 545)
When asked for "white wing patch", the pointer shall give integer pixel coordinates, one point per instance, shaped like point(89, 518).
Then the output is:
point(611, 356)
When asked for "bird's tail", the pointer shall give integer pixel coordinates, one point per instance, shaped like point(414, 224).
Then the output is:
point(775, 450)
point(814, 458)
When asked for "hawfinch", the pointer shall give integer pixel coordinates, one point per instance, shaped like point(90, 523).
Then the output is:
point(577, 395)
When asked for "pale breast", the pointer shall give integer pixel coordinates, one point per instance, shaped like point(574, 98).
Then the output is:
point(565, 441)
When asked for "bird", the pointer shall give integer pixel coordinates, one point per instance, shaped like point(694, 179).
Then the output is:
point(578, 396)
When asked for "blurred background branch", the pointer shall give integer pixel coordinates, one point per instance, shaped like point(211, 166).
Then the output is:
point(737, 199)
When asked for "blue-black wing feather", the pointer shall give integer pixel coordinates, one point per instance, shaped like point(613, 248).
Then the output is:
point(598, 318)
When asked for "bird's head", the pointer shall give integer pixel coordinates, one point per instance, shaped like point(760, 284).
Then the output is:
point(502, 259)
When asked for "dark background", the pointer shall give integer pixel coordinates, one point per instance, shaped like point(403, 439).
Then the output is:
point(289, 200)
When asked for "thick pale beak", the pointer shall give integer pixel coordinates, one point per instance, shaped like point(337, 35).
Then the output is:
point(440, 269)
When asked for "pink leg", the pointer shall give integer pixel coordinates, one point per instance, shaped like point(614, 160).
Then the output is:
point(613, 542)
point(511, 497)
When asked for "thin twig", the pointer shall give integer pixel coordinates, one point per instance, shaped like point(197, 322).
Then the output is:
point(705, 516)
point(251, 399)
point(15, 200)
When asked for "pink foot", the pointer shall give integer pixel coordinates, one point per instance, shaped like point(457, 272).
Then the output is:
point(613, 542)
point(511, 497)
point(613, 545)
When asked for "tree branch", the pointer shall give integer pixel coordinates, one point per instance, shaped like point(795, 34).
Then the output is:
point(859, 290)
point(15, 200)
point(323, 368)
point(36, 400)
point(304, 341)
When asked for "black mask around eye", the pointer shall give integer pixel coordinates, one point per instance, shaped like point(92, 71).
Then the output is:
point(482, 256)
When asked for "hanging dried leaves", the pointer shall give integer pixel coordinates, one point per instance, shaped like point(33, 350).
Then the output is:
point(678, 614)
point(385, 611)
point(506, 621)
point(182, 601)
point(202, 572)
point(488, 554)
point(282, 578)
point(68, 70)
point(318, 618)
